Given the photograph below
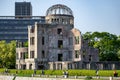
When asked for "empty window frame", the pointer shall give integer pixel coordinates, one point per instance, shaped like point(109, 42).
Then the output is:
point(32, 39)
point(60, 57)
point(59, 31)
point(76, 39)
point(32, 30)
point(76, 53)
point(31, 54)
point(90, 57)
point(60, 43)
point(43, 54)
point(43, 40)
point(22, 55)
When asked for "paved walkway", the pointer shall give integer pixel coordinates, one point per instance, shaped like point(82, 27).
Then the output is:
point(3, 77)
point(7, 77)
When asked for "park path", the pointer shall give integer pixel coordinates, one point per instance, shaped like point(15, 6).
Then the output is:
point(8, 77)
point(3, 77)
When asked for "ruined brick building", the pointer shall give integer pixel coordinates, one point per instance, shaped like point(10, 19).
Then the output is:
point(55, 44)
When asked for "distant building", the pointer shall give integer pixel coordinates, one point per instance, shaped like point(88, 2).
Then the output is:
point(16, 27)
point(55, 44)
point(12, 28)
point(23, 9)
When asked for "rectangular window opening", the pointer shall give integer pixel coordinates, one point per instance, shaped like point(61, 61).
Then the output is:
point(60, 57)
point(43, 54)
point(43, 40)
point(60, 43)
point(76, 39)
point(90, 57)
point(32, 39)
point(59, 31)
point(31, 54)
point(77, 54)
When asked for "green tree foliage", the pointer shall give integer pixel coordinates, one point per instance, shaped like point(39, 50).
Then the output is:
point(108, 45)
point(26, 44)
point(7, 54)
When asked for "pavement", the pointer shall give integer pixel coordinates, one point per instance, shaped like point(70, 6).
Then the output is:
point(53, 77)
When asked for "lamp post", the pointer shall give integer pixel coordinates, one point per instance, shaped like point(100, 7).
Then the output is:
point(42, 63)
point(19, 64)
point(53, 62)
point(52, 59)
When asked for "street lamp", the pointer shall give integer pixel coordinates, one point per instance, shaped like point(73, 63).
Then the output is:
point(19, 64)
point(52, 59)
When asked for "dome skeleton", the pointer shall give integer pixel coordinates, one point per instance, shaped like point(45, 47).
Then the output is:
point(59, 9)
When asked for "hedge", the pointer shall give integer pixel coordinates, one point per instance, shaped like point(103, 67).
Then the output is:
point(60, 72)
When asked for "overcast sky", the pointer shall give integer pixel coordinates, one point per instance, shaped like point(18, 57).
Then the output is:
point(89, 15)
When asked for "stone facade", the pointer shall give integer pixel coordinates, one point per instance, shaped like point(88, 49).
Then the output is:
point(102, 65)
point(55, 44)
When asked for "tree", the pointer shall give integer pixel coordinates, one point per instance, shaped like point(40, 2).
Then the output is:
point(7, 54)
point(108, 44)
point(26, 44)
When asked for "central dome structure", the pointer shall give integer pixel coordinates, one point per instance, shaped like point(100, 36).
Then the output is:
point(59, 9)
point(59, 14)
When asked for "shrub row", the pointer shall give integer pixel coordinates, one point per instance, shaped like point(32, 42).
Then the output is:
point(60, 72)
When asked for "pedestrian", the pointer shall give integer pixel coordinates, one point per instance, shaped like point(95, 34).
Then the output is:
point(42, 72)
point(34, 71)
point(6, 70)
point(16, 72)
point(97, 72)
point(115, 73)
point(63, 73)
point(67, 74)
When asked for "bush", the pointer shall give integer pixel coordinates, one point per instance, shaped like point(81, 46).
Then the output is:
point(81, 72)
point(60, 72)
point(53, 72)
point(2, 70)
point(21, 72)
point(88, 78)
point(106, 73)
